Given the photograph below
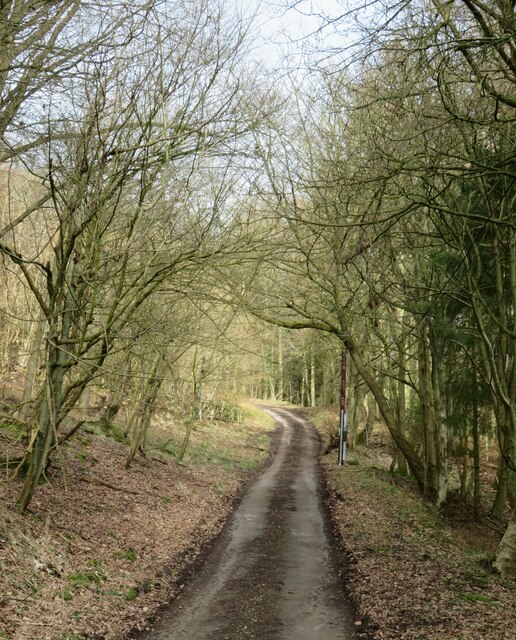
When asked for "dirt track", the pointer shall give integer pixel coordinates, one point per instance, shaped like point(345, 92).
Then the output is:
point(271, 576)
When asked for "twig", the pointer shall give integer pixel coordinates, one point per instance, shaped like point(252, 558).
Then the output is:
point(108, 485)
point(70, 433)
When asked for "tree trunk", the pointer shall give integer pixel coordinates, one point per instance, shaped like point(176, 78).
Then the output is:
point(367, 431)
point(37, 456)
point(443, 463)
point(268, 384)
point(402, 407)
point(32, 365)
point(142, 426)
point(13, 354)
point(427, 416)
point(116, 396)
point(186, 440)
point(505, 560)
point(476, 455)
point(356, 411)
point(281, 391)
point(350, 402)
point(464, 464)
point(413, 460)
point(500, 500)
point(312, 377)
point(85, 400)
point(304, 384)
point(197, 391)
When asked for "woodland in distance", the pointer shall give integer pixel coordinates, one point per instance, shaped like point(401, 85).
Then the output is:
point(181, 227)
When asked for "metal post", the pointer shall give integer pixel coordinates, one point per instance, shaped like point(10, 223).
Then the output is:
point(343, 417)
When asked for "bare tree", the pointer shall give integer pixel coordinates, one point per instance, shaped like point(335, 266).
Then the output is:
point(125, 218)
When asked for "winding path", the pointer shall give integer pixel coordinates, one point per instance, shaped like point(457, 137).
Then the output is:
point(271, 576)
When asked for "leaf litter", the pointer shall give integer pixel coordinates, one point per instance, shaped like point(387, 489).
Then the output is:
point(411, 573)
point(103, 548)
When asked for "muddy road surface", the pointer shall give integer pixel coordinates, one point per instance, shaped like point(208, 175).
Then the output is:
point(272, 575)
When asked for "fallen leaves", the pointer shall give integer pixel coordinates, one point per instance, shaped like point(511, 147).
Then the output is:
point(410, 575)
point(104, 548)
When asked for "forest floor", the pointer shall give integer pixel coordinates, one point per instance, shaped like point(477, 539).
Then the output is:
point(413, 574)
point(103, 548)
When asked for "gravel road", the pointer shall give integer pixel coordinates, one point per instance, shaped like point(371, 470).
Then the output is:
point(271, 576)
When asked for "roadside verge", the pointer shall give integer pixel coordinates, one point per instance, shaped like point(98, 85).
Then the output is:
point(410, 574)
point(104, 548)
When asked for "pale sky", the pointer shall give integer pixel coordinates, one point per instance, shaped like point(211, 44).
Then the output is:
point(281, 31)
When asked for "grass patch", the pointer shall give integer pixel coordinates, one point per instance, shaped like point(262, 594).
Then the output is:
point(326, 422)
point(384, 551)
point(255, 415)
point(127, 554)
point(13, 430)
point(93, 575)
point(477, 597)
point(84, 579)
point(132, 593)
point(231, 446)
point(220, 487)
point(79, 579)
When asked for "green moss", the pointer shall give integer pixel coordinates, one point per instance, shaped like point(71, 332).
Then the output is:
point(131, 593)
